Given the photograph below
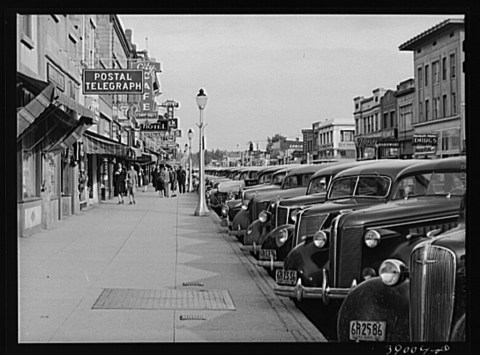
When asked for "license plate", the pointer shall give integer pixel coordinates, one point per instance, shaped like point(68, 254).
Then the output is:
point(266, 254)
point(367, 330)
point(286, 277)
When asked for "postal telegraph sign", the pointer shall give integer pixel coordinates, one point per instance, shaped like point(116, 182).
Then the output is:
point(113, 81)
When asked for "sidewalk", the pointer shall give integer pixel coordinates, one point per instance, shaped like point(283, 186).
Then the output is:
point(116, 273)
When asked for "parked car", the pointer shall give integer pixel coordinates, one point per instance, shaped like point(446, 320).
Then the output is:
point(330, 262)
point(295, 184)
point(374, 174)
point(233, 203)
point(418, 297)
point(282, 211)
point(240, 219)
point(229, 189)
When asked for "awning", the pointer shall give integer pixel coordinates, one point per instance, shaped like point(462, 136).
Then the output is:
point(52, 131)
point(27, 114)
point(46, 95)
point(96, 144)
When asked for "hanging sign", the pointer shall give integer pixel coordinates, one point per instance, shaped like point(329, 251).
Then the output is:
point(112, 81)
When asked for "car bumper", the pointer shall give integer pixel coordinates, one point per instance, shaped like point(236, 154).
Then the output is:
point(324, 293)
point(272, 264)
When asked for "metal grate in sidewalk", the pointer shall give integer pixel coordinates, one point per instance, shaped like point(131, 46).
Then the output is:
point(127, 298)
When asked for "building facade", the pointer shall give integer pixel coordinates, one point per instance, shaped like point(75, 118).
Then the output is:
point(68, 142)
point(439, 101)
point(367, 115)
point(333, 139)
point(405, 95)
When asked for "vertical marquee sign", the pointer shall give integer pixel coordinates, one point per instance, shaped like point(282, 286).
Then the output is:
point(147, 106)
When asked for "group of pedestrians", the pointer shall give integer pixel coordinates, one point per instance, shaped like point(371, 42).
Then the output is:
point(167, 180)
point(126, 183)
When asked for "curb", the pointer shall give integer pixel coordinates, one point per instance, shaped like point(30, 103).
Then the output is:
point(292, 317)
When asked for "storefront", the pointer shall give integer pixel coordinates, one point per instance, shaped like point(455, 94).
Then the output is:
point(48, 126)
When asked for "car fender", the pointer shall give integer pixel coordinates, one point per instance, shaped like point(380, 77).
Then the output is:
point(269, 242)
point(254, 233)
point(458, 332)
point(241, 219)
point(309, 262)
point(372, 300)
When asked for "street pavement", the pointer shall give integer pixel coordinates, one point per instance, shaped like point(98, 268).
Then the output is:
point(149, 272)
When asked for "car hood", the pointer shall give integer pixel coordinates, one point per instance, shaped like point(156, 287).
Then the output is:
point(272, 195)
point(229, 186)
point(342, 204)
point(303, 200)
point(257, 189)
point(396, 211)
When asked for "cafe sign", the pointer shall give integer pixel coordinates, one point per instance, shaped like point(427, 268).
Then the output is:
point(113, 81)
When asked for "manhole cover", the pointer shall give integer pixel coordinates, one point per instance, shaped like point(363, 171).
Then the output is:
point(127, 298)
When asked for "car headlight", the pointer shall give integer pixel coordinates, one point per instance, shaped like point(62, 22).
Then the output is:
point(244, 206)
point(263, 216)
point(391, 271)
point(208, 193)
point(281, 237)
point(372, 238)
point(225, 210)
point(249, 230)
point(294, 215)
point(320, 239)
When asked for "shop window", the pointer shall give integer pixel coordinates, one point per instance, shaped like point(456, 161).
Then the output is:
point(29, 178)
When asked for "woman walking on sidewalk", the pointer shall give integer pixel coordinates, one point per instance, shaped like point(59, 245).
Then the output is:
point(165, 177)
point(132, 183)
point(119, 182)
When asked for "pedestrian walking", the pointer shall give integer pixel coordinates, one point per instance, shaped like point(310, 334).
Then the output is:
point(132, 183)
point(157, 180)
point(119, 183)
point(182, 178)
point(173, 181)
point(145, 179)
point(140, 178)
point(165, 177)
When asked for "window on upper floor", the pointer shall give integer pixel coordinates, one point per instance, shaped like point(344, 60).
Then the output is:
point(444, 106)
point(453, 103)
point(392, 119)
point(444, 68)
point(453, 68)
point(420, 77)
point(427, 110)
point(426, 74)
point(436, 72)
point(436, 108)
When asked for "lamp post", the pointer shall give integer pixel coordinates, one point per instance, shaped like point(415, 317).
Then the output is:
point(202, 209)
point(190, 175)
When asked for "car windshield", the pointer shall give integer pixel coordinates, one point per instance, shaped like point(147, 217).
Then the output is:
point(296, 181)
point(265, 178)
point(356, 186)
point(440, 183)
point(317, 184)
point(278, 178)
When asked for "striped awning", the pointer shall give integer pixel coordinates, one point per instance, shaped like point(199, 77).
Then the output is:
point(27, 114)
point(96, 144)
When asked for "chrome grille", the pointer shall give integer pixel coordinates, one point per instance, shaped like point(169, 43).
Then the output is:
point(283, 214)
point(257, 208)
point(432, 286)
point(346, 254)
point(310, 224)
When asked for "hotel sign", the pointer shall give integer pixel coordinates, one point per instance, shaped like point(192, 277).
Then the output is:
point(113, 81)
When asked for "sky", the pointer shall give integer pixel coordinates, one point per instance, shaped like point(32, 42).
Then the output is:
point(273, 74)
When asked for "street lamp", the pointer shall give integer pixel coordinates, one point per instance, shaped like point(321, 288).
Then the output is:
point(202, 209)
point(190, 175)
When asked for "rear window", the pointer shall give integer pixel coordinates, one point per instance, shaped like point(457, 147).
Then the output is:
point(364, 186)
